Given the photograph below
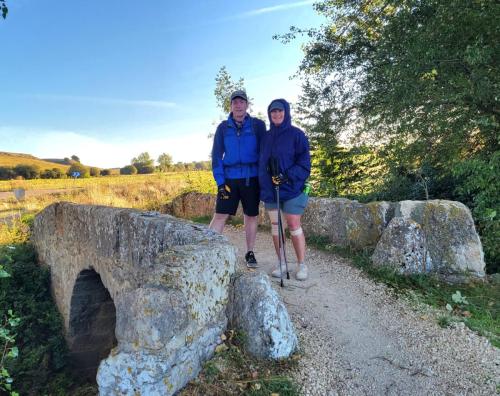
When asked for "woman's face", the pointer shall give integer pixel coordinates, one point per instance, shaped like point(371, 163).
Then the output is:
point(277, 116)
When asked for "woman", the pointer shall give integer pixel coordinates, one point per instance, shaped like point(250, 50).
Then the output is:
point(285, 163)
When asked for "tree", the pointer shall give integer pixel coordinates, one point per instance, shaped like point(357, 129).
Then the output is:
point(407, 73)
point(77, 168)
point(94, 171)
point(128, 170)
point(105, 172)
point(164, 162)
point(3, 9)
point(144, 163)
point(224, 86)
point(75, 158)
point(27, 171)
point(7, 173)
point(54, 173)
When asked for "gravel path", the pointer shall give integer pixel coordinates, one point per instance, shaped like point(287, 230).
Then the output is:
point(357, 338)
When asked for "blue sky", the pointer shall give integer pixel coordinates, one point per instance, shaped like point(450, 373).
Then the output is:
point(107, 80)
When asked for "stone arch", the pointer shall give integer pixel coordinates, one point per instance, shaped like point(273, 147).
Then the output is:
point(92, 320)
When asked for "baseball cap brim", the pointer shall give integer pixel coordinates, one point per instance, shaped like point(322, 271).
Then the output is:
point(276, 105)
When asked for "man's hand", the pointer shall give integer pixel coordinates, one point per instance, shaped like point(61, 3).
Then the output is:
point(280, 179)
point(224, 192)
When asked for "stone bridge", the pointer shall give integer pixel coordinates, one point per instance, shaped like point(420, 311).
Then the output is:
point(114, 271)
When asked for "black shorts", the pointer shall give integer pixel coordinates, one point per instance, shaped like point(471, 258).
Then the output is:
point(248, 195)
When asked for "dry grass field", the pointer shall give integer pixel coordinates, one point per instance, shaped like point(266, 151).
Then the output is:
point(13, 159)
point(146, 192)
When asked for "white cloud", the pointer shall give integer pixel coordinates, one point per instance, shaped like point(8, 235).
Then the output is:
point(278, 7)
point(102, 152)
point(106, 101)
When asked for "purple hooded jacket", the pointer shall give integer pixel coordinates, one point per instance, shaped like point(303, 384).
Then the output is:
point(290, 146)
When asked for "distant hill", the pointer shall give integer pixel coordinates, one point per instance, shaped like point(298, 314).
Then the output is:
point(13, 159)
point(55, 160)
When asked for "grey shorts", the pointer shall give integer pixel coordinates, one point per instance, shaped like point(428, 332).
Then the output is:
point(294, 206)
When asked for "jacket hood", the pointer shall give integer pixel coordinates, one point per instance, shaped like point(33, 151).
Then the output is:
point(287, 122)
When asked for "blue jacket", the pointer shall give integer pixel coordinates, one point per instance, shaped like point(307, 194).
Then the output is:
point(290, 145)
point(235, 152)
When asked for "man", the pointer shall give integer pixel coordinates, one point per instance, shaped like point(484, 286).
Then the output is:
point(235, 157)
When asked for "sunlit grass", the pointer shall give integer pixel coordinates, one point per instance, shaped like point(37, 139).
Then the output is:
point(147, 192)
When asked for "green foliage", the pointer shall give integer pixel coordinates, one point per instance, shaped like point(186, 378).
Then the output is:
point(41, 365)
point(42, 349)
point(224, 87)
point(478, 186)
point(405, 78)
point(3, 9)
point(75, 158)
point(164, 162)
point(339, 171)
point(7, 173)
point(128, 170)
point(54, 173)
point(408, 72)
point(77, 167)
point(27, 171)
point(144, 163)
point(8, 349)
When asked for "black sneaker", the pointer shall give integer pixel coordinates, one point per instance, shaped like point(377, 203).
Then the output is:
point(250, 259)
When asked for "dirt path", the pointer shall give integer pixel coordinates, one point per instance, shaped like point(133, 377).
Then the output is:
point(356, 338)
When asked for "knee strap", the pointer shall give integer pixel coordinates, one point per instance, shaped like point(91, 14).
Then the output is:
point(296, 232)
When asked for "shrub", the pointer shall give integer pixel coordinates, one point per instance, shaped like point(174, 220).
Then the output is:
point(6, 173)
point(105, 172)
point(77, 167)
point(128, 170)
point(27, 171)
point(54, 173)
point(94, 171)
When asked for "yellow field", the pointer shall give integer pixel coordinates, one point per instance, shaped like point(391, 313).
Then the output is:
point(201, 179)
point(13, 159)
point(147, 192)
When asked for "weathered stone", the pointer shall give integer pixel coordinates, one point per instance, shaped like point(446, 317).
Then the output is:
point(256, 309)
point(169, 280)
point(347, 223)
point(453, 244)
point(193, 205)
point(403, 247)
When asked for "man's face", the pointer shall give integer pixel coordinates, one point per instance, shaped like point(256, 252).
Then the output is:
point(239, 108)
point(277, 116)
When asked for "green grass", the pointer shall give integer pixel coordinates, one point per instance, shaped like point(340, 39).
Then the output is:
point(232, 372)
point(480, 310)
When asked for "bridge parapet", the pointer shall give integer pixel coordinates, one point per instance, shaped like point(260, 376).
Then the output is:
point(168, 280)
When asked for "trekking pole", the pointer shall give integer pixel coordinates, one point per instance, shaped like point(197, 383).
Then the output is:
point(274, 168)
point(280, 234)
point(283, 243)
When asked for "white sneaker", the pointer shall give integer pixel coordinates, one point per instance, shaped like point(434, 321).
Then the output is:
point(301, 273)
point(276, 271)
